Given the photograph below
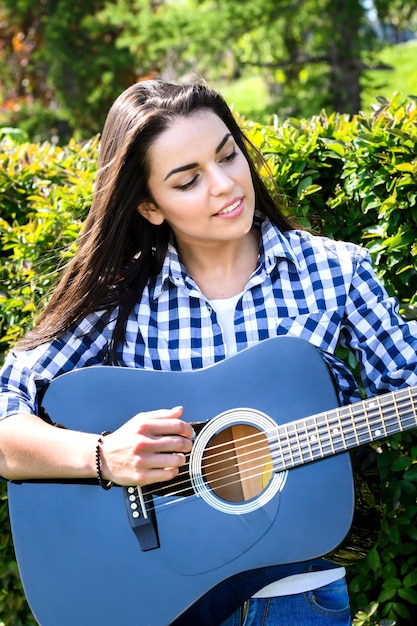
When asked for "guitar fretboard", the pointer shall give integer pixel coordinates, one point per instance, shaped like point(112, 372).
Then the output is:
point(326, 434)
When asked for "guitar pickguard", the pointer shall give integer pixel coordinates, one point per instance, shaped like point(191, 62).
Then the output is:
point(214, 543)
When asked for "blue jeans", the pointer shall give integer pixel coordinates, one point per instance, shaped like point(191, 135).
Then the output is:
point(326, 606)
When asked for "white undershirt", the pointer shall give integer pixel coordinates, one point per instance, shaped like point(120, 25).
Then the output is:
point(225, 312)
point(297, 583)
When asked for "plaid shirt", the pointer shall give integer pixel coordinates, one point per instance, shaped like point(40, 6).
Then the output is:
point(305, 286)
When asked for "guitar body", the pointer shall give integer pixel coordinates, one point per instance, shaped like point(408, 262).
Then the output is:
point(79, 557)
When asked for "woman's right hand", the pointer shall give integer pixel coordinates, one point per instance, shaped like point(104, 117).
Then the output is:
point(149, 448)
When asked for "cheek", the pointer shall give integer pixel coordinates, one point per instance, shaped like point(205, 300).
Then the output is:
point(179, 213)
point(243, 175)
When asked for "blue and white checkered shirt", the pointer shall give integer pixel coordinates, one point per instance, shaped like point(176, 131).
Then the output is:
point(306, 286)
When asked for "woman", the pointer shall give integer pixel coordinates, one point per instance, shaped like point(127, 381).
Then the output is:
point(185, 259)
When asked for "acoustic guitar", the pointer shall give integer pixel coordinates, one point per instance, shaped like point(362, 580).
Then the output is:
point(269, 482)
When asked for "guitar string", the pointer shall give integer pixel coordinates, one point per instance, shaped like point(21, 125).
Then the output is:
point(309, 424)
point(312, 426)
point(182, 498)
point(282, 448)
point(252, 468)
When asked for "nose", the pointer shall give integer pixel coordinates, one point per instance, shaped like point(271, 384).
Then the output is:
point(220, 181)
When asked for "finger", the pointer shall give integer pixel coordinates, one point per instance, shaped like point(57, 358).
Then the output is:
point(176, 411)
point(153, 476)
point(160, 426)
point(163, 443)
point(161, 461)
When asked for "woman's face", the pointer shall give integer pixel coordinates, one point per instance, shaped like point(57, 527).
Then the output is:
point(200, 182)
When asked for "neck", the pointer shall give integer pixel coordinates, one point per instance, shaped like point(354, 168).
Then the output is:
point(223, 270)
point(345, 428)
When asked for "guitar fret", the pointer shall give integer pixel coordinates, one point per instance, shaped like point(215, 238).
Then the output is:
point(320, 439)
point(304, 445)
point(299, 447)
point(411, 404)
point(339, 432)
point(300, 439)
point(397, 415)
point(360, 425)
point(405, 408)
point(328, 433)
point(367, 416)
point(314, 442)
point(323, 431)
point(309, 440)
point(376, 422)
point(278, 450)
point(391, 415)
point(292, 449)
point(354, 434)
point(335, 433)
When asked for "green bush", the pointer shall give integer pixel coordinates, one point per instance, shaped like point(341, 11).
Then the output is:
point(354, 179)
point(45, 193)
point(349, 178)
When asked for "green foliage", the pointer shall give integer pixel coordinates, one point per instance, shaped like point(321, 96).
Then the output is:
point(65, 62)
point(304, 50)
point(350, 178)
point(354, 179)
point(388, 574)
point(45, 193)
point(392, 70)
point(64, 68)
point(397, 72)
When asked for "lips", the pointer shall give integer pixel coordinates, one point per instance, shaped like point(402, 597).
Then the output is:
point(230, 207)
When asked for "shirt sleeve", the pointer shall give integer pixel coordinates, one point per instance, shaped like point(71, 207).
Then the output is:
point(25, 374)
point(383, 342)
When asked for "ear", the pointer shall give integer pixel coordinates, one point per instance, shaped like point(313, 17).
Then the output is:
point(150, 212)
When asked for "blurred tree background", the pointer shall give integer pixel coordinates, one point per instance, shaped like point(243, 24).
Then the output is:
point(63, 62)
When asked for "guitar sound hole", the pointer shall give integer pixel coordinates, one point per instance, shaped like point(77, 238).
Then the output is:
point(237, 463)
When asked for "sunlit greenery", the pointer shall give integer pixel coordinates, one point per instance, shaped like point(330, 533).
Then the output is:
point(249, 94)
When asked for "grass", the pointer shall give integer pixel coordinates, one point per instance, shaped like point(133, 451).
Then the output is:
point(402, 77)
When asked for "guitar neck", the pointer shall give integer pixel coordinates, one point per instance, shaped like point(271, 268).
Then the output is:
point(339, 430)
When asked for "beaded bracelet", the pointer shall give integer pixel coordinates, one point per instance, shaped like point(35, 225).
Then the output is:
point(105, 485)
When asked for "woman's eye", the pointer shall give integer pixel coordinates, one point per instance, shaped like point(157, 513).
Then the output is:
point(231, 156)
point(188, 185)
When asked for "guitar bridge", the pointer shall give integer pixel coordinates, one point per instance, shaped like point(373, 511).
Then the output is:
point(140, 511)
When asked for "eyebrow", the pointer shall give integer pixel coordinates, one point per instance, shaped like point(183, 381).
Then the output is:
point(190, 166)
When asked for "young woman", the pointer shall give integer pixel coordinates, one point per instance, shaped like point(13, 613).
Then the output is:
point(185, 259)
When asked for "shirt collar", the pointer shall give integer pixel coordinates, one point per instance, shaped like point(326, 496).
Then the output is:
point(172, 271)
point(274, 245)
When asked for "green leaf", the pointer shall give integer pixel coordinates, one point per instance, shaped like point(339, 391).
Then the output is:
point(411, 579)
point(401, 610)
point(406, 167)
point(401, 463)
point(373, 560)
point(411, 473)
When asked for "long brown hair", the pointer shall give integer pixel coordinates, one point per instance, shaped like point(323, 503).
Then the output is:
point(118, 249)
